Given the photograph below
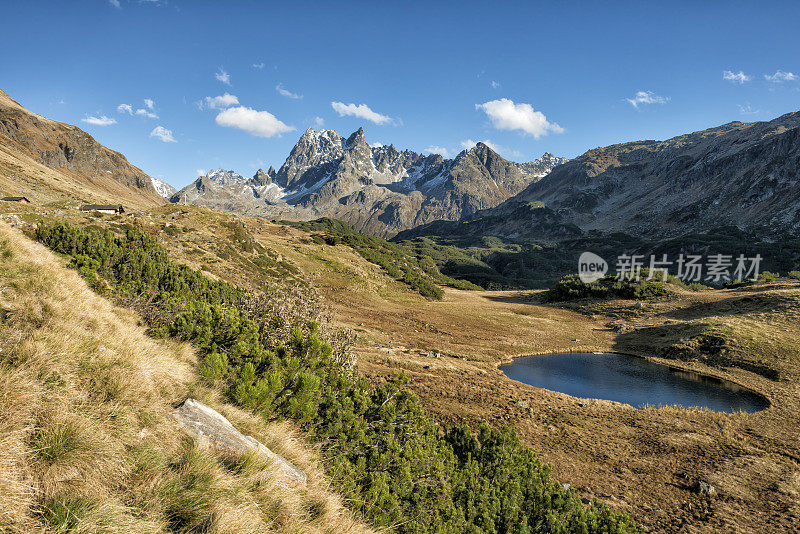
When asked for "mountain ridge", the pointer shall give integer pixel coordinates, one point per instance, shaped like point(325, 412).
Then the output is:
point(739, 174)
point(377, 189)
point(49, 160)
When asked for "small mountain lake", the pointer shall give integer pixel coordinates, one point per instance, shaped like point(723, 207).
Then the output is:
point(631, 380)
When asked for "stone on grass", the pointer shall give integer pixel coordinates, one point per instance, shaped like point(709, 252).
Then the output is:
point(213, 430)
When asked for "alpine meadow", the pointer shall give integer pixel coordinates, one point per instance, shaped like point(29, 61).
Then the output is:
point(450, 267)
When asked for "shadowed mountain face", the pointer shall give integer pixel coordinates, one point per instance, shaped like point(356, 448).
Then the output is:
point(77, 166)
point(377, 189)
point(747, 175)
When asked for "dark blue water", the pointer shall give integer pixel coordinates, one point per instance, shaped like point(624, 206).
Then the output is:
point(632, 380)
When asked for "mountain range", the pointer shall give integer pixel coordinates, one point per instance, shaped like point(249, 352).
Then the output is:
point(377, 189)
point(739, 174)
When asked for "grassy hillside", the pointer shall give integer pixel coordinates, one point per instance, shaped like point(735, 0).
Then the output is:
point(642, 462)
point(51, 162)
point(418, 271)
point(396, 468)
point(87, 443)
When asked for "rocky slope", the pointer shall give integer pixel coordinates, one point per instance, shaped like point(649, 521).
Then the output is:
point(379, 189)
point(47, 160)
point(743, 174)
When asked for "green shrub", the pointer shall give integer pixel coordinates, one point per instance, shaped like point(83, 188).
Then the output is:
point(766, 276)
point(571, 287)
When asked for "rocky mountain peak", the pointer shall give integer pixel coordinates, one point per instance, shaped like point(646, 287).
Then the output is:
point(542, 166)
point(378, 187)
point(263, 178)
point(223, 177)
point(356, 138)
point(483, 152)
point(163, 188)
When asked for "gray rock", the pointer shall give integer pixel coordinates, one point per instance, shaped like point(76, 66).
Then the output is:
point(213, 430)
point(704, 488)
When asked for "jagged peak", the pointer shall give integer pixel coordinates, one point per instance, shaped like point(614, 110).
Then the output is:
point(262, 178)
point(223, 177)
point(312, 135)
point(357, 137)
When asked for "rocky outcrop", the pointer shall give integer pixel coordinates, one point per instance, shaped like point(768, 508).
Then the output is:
point(213, 430)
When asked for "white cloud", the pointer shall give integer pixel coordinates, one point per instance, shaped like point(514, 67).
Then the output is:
point(220, 102)
point(747, 109)
point(647, 97)
point(319, 121)
point(433, 149)
point(149, 113)
point(200, 172)
point(145, 113)
point(223, 76)
point(163, 134)
point(376, 144)
point(258, 66)
point(99, 121)
point(469, 144)
point(258, 123)
point(506, 115)
point(362, 111)
point(115, 3)
point(781, 76)
point(495, 85)
point(736, 77)
point(285, 92)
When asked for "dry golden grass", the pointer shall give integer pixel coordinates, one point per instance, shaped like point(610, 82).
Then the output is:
point(87, 443)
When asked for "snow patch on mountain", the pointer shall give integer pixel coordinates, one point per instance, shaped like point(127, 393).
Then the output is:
point(163, 188)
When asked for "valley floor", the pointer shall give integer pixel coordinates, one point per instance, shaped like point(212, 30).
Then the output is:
point(642, 461)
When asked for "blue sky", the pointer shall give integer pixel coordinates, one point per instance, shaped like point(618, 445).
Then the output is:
point(562, 77)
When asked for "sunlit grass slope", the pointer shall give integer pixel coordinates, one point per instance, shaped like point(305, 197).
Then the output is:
point(87, 443)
